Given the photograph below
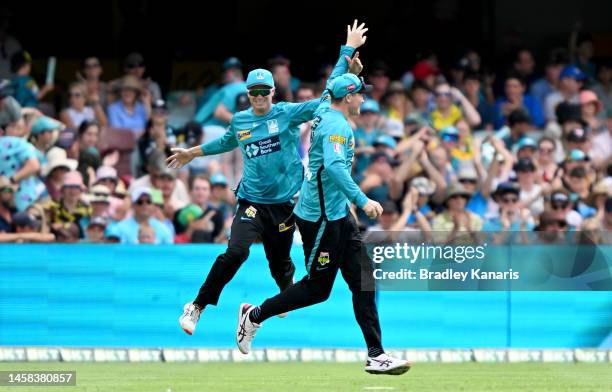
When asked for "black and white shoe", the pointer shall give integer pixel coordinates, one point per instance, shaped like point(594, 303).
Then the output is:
point(384, 364)
point(246, 328)
point(189, 318)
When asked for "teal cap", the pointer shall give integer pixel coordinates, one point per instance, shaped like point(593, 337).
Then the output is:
point(370, 106)
point(218, 179)
point(261, 77)
point(385, 140)
point(43, 124)
point(347, 84)
point(526, 142)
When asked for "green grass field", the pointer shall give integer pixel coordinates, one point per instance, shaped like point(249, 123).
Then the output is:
point(328, 377)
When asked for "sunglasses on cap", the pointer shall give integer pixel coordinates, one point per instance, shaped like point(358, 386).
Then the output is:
point(467, 181)
point(449, 138)
point(141, 202)
point(559, 206)
point(256, 92)
point(509, 199)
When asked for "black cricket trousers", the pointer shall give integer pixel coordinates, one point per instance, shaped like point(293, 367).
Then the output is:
point(329, 246)
point(274, 224)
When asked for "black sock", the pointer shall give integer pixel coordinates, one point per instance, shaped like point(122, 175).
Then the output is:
point(375, 351)
point(254, 315)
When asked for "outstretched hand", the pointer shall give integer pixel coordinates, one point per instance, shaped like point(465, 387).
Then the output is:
point(354, 64)
point(180, 158)
point(355, 34)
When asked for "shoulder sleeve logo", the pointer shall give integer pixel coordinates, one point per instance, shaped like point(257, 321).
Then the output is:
point(337, 139)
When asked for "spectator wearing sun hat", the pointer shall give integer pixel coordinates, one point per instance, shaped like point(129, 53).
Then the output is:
point(132, 110)
point(70, 208)
point(455, 217)
point(58, 164)
point(592, 110)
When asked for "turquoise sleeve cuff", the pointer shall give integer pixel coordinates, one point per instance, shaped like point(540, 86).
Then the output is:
point(361, 200)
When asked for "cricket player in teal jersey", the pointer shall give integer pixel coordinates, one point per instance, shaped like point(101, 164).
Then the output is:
point(331, 238)
point(268, 137)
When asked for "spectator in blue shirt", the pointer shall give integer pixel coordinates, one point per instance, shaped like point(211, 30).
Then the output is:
point(549, 83)
point(516, 98)
point(127, 230)
point(129, 111)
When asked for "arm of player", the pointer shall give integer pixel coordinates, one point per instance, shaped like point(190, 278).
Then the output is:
point(334, 160)
point(183, 156)
point(302, 112)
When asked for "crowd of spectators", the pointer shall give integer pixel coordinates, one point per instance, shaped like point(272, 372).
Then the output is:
point(449, 148)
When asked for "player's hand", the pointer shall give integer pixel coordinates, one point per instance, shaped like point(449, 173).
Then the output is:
point(180, 158)
point(355, 35)
point(373, 209)
point(354, 64)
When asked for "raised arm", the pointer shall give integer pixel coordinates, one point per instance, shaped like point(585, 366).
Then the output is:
point(302, 112)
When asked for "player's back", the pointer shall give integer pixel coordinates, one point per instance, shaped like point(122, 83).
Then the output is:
point(331, 139)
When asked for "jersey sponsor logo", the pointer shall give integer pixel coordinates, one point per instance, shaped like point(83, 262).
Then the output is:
point(337, 139)
point(272, 126)
point(262, 147)
point(323, 258)
point(244, 134)
point(283, 227)
point(250, 212)
point(352, 142)
point(337, 148)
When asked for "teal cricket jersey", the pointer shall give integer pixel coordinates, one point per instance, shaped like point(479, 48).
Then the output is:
point(329, 189)
point(273, 170)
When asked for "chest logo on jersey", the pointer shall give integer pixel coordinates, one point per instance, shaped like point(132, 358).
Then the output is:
point(262, 147)
point(272, 126)
point(245, 134)
point(337, 139)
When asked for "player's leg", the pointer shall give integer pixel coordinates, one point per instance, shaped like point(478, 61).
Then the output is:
point(357, 269)
point(277, 238)
point(321, 241)
point(245, 228)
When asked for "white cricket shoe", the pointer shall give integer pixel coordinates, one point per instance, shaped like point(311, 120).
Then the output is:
point(384, 364)
point(190, 317)
point(246, 328)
